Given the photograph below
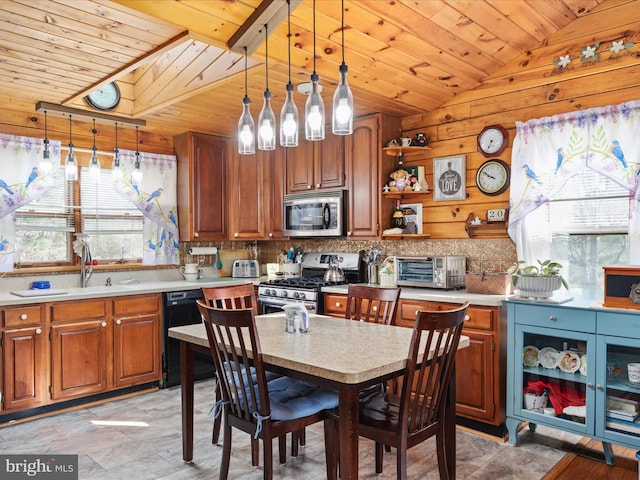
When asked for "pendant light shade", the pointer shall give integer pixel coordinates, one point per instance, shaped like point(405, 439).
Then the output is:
point(94, 164)
point(246, 125)
point(342, 123)
point(70, 166)
point(136, 176)
point(116, 170)
point(289, 112)
point(45, 163)
point(266, 119)
point(314, 108)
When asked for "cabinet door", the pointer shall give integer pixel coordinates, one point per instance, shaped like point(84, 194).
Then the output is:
point(300, 169)
point(329, 162)
point(361, 152)
point(24, 370)
point(201, 186)
point(275, 185)
point(246, 199)
point(79, 358)
point(137, 351)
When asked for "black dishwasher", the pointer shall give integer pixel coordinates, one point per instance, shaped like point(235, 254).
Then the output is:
point(180, 309)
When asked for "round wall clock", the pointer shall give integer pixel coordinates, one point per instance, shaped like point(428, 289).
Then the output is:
point(492, 140)
point(493, 177)
point(106, 97)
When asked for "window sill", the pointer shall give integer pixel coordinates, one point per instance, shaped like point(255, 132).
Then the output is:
point(107, 267)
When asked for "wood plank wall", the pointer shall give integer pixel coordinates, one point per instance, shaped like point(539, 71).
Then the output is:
point(530, 87)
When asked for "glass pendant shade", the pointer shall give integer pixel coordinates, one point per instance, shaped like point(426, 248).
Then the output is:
point(70, 165)
point(314, 112)
point(289, 120)
point(246, 130)
point(343, 105)
point(267, 125)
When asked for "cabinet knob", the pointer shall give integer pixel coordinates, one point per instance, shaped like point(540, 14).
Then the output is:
point(590, 385)
point(552, 318)
point(118, 322)
point(349, 233)
point(317, 185)
point(375, 309)
point(309, 187)
point(104, 324)
point(24, 316)
point(196, 234)
point(236, 234)
point(38, 331)
point(599, 387)
point(338, 304)
point(271, 234)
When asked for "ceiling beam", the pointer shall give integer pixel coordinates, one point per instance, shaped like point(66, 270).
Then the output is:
point(269, 12)
point(65, 111)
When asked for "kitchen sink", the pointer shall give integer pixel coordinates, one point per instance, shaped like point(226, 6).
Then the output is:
point(99, 289)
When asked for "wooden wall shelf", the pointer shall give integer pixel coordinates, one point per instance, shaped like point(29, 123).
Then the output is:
point(397, 151)
point(406, 236)
point(400, 195)
point(486, 230)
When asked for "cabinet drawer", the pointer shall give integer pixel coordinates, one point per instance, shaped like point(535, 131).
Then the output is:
point(619, 324)
point(21, 316)
point(556, 317)
point(135, 305)
point(480, 318)
point(335, 304)
point(83, 310)
point(408, 310)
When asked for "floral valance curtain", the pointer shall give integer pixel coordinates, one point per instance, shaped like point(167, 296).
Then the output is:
point(156, 198)
point(548, 151)
point(23, 178)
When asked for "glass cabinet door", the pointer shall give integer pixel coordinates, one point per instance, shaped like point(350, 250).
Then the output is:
point(618, 389)
point(555, 377)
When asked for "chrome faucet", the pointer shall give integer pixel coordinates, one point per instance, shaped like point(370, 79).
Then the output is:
point(85, 271)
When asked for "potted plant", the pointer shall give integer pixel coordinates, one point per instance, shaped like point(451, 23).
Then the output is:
point(537, 281)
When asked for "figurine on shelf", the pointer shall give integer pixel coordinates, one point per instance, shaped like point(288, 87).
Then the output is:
point(476, 221)
point(386, 189)
point(399, 181)
point(420, 140)
point(397, 221)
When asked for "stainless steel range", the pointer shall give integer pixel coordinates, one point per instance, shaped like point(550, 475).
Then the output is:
point(306, 289)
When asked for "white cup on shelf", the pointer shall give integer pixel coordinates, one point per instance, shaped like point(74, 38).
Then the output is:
point(633, 370)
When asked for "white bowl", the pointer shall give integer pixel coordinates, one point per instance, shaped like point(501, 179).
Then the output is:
point(633, 370)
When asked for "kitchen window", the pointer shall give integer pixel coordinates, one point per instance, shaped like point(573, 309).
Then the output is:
point(45, 227)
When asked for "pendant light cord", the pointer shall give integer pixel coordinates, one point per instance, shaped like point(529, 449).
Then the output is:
point(246, 90)
point(314, 36)
point(343, 32)
point(266, 53)
point(288, 38)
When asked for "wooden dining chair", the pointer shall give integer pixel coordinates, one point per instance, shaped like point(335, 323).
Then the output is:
point(266, 410)
point(419, 412)
point(372, 304)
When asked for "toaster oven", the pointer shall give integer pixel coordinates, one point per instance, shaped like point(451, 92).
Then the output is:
point(445, 272)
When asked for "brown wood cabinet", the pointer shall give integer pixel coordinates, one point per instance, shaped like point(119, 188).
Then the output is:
point(480, 379)
point(255, 195)
point(23, 359)
point(316, 165)
point(367, 170)
point(202, 164)
point(137, 341)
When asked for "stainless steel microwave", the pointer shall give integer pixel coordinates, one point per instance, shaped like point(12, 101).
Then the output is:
point(315, 214)
point(446, 272)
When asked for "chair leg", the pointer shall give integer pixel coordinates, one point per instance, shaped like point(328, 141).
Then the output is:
point(268, 459)
point(442, 456)
point(401, 472)
point(216, 422)
point(295, 442)
point(282, 449)
point(226, 452)
point(379, 457)
point(302, 437)
point(255, 451)
point(331, 448)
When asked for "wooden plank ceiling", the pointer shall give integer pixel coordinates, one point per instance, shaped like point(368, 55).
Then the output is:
point(172, 61)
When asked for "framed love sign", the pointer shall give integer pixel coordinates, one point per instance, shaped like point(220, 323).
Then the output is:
point(449, 178)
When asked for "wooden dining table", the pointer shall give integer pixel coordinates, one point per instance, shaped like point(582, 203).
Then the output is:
point(344, 355)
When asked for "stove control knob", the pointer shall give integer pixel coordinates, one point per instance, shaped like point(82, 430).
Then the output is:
point(302, 296)
point(285, 294)
point(296, 294)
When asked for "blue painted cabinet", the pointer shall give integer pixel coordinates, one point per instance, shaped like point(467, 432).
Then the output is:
point(567, 369)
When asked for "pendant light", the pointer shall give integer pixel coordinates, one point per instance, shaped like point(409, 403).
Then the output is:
point(45, 164)
point(71, 166)
point(136, 176)
point(94, 164)
point(289, 112)
point(314, 108)
point(266, 119)
point(342, 98)
point(116, 171)
point(246, 125)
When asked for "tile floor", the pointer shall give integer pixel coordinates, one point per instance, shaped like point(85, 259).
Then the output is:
point(152, 448)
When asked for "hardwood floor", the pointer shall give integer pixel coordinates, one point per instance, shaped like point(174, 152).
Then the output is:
point(140, 438)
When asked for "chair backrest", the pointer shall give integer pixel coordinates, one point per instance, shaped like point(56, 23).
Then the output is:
point(237, 356)
point(427, 379)
point(372, 304)
point(231, 297)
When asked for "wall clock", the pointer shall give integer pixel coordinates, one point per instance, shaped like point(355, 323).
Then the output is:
point(492, 140)
point(493, 176)
point(106, 97)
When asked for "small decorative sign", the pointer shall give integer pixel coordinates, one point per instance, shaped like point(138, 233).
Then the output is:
point(449, 178)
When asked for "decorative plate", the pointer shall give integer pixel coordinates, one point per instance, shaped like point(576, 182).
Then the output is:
point(568, 361)
point(583, 365)
point(548, 357)
point(530, 356)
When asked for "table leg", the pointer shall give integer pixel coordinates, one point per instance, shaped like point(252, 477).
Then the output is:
point(348, 430)
point(186, 388)
point(450, 425)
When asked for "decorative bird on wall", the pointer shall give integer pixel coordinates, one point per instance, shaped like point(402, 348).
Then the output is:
point(617, 152)
point(531, 174)
point(32, 176)
point(560, 159)
point(4, 185)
